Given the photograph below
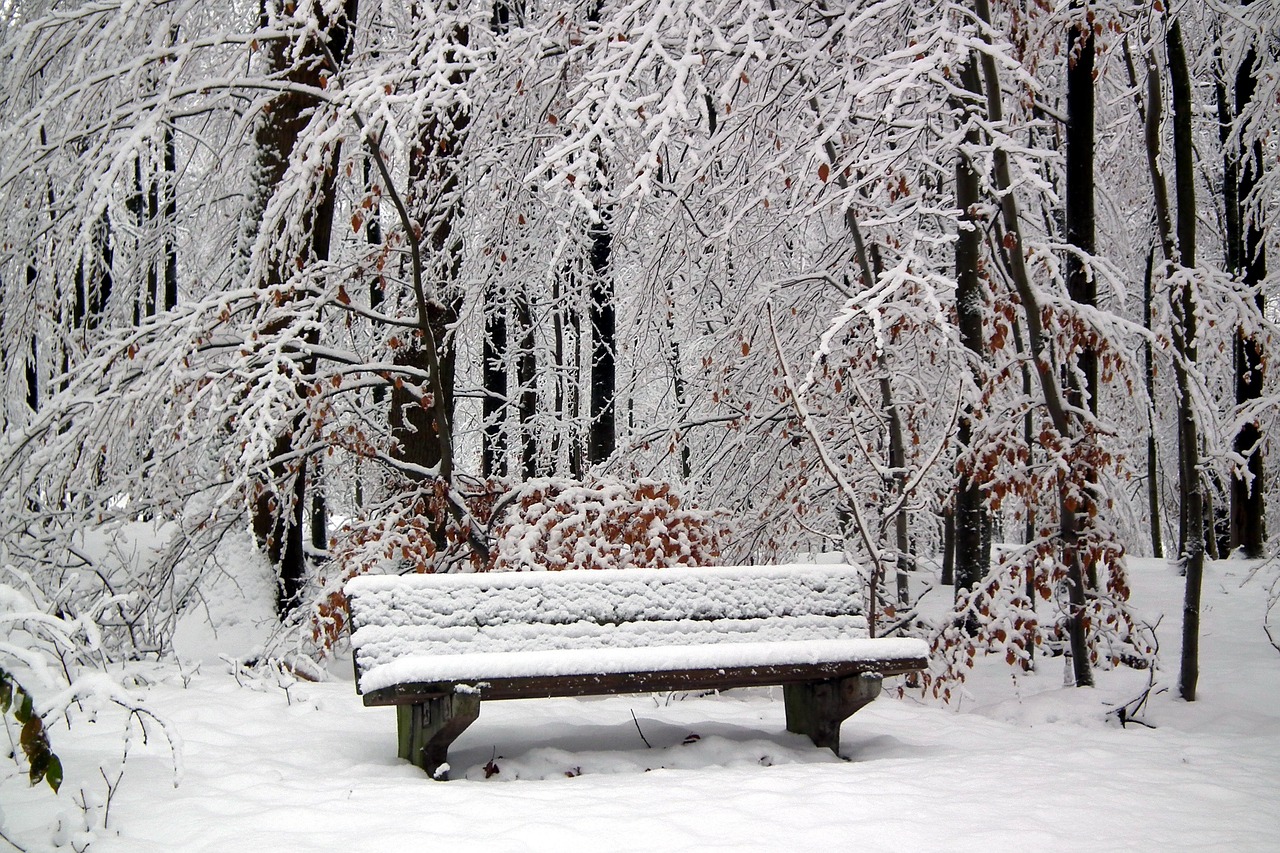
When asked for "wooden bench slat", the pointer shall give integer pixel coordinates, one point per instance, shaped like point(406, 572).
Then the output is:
point(546, 687)
point(568, 663)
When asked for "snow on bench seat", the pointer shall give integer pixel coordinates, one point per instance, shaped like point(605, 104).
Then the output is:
point(509, 625)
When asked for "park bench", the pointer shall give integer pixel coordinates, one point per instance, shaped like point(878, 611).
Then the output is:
point(436, 645)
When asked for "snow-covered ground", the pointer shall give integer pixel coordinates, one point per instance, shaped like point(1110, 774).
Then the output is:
point(1025, 766)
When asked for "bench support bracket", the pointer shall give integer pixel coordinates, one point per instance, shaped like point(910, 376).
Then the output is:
point(817, 708)
point(427, 728)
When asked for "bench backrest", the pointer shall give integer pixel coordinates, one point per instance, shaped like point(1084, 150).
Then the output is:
point(398, 616)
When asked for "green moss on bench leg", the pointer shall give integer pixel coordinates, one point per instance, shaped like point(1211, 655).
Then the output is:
point(427, 728)
point(817, 708)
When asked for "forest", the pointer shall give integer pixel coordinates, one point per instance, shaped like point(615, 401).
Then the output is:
point(974, 293)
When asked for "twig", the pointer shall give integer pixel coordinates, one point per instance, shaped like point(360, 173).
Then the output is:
point(642, 737)
point(833, 470)
point(15, 845)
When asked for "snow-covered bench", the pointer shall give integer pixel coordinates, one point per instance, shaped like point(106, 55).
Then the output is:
point(435, 645)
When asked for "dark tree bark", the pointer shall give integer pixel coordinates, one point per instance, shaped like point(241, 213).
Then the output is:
point(413, 419)
point(903, 559)
point(1247, 259)
point(155, 209)
point(418, 415)
point(1150, 114)
point(504, 15)
point(602, 437)
point(601, 401)
point(278, 519)
point(563, 439)
point(948, 546)
point(94, 279)
point(970, 518)
point(319, 518)
point(32, 361)
point(682, 404)
point(168, 211)
point(493, 451)
point(526, 382)
point(1150, 111)
point(1184, 341)
point(573, 403)
point(1082, 385)
point(1154, 511)
point(1081, 284)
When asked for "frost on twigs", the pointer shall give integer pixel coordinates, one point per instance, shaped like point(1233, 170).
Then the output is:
point(54, 671)
point(1019, 616)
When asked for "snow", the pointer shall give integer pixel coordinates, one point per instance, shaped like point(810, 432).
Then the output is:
point(475, 627)
point(271, 764)
point(594, 661)
point(609, 596)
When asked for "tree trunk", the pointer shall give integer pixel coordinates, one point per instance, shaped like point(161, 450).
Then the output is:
point(573, 381)
point(527, 385)
point(1151, 113)
point(493, 453)
point(1082, 387)
point(1248, 509)
point(278, 517)
point(677, 380)
point(1081, 284)
point(948, 546)
point(603, 436)
point(169, 210)
point(1012, 254)
point(1154, 511)
point(902, 557)
point(422, 419)
point(33, 356)
point(319, 514)
point(1184, 341)
point(970, 514)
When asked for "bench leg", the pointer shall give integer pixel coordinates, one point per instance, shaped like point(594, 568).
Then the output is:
point(817, 708)
point(427, 728)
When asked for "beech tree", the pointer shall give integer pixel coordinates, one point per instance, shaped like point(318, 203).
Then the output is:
point(303, 61)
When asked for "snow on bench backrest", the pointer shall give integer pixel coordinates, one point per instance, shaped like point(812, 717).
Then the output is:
point(395, 617)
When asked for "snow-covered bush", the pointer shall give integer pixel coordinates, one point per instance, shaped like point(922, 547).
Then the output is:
point(603, 524)
point(1019, 615)
point(54, 670)
point(546, 524)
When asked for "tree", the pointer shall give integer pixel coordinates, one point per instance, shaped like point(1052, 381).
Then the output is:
point(1246, 258)
point(604, 383)
point(1055, 404)
point(970, 518)
point(302, 61)
point(1184, 339)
